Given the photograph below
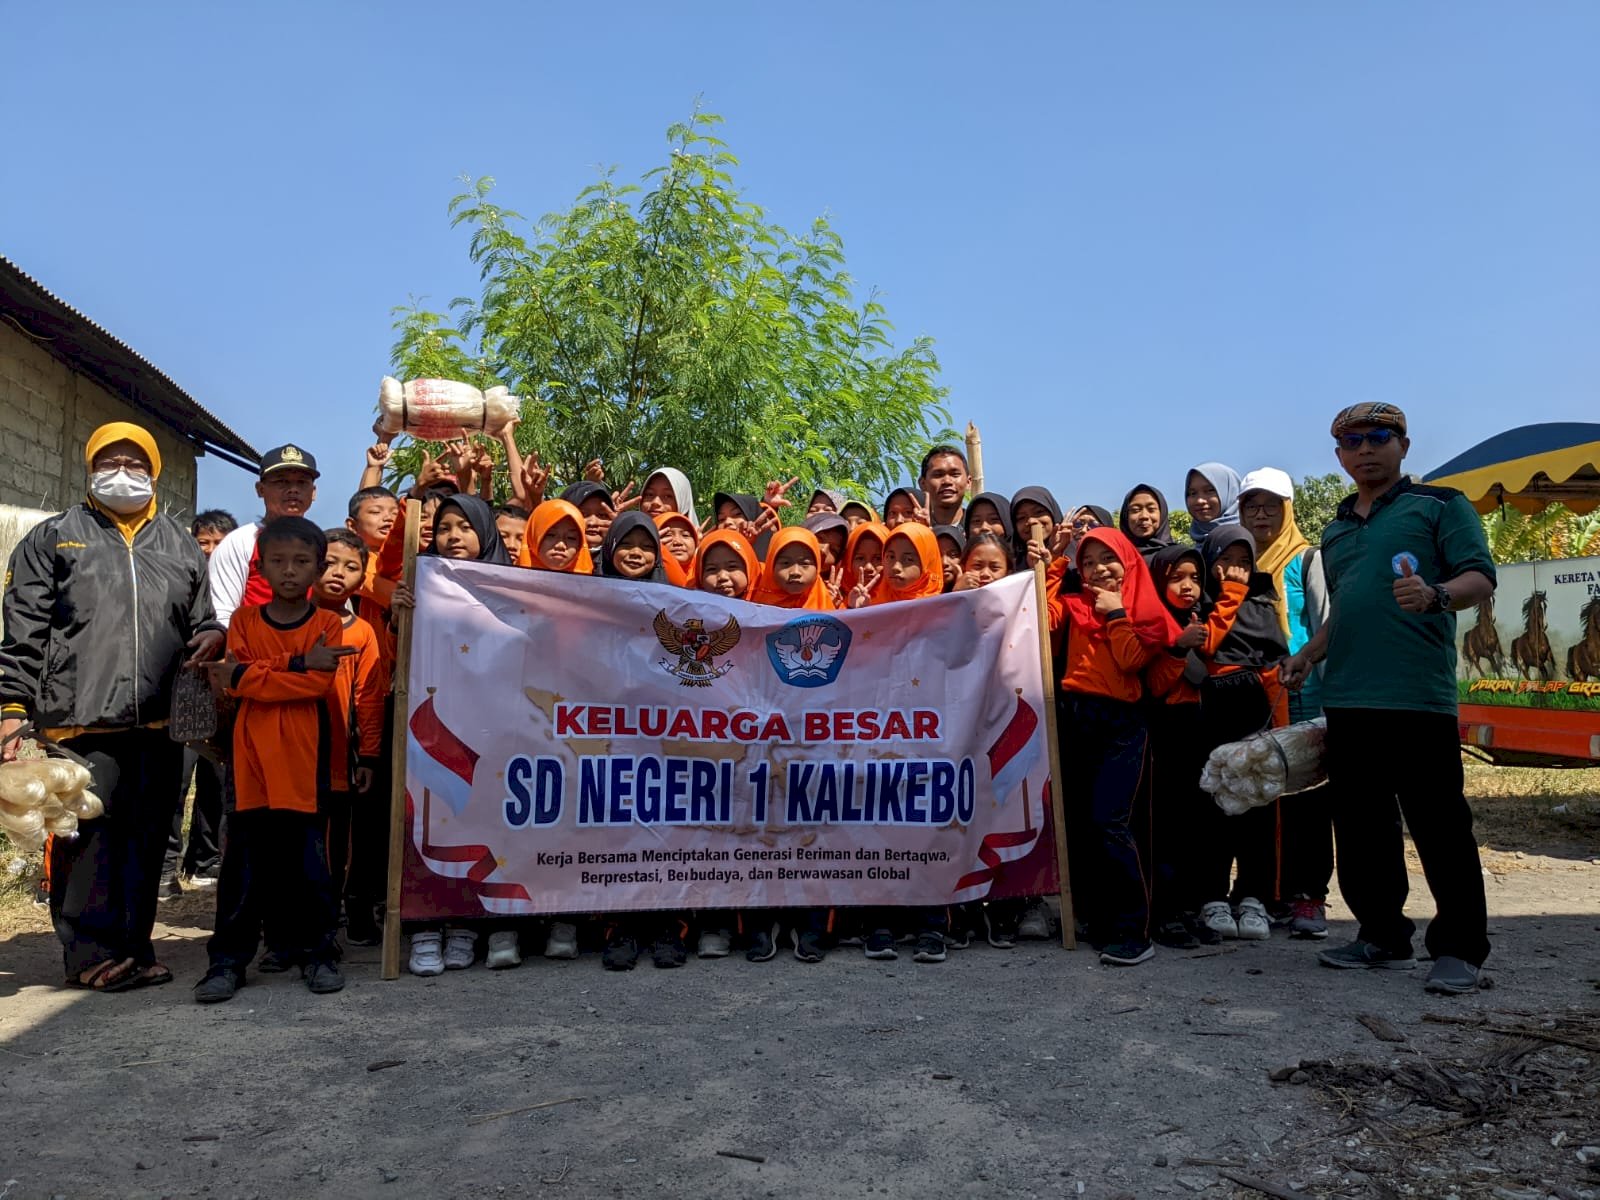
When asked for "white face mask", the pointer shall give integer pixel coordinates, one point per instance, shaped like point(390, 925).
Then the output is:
point(121, 491)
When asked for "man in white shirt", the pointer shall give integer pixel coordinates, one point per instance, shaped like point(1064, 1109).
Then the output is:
point(287, 488)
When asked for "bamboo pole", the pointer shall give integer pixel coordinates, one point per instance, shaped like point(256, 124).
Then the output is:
point(975, 458)
point(1058, 812)
point(397, 759)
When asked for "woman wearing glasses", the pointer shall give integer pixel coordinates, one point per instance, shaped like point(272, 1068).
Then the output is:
point(103, 605)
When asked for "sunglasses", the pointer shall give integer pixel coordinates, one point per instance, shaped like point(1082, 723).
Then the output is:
point(1083, 523)
point(1378, 437)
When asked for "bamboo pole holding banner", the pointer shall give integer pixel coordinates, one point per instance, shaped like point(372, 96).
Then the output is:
point(974, 458)
point(1058, 812)
point(397, 759)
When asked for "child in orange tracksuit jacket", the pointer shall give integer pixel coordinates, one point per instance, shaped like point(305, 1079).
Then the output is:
point(355, 724)
point(1178, 745)
point(1112, 623)
point(282, 660)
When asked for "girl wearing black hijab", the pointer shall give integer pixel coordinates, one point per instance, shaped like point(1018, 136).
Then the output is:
point(1144, 520)
point(464, 528)
point(989, 512)
point(1033, 508)
point(632, 550)
point(1240, 697)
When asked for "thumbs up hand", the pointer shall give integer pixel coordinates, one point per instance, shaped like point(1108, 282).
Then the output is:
point(1411, 592)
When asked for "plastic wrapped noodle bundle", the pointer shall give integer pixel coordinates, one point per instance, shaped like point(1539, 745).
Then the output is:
point(40, 796)
point(439, 409)
point(1278, 762)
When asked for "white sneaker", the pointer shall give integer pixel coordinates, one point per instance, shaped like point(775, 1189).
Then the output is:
point(503, 950)
point(714, 943)
point(563, 942)
point(425, 956)
point(1035, 923)
point(460, 948)
point(1253, 923)
point(1218, 917)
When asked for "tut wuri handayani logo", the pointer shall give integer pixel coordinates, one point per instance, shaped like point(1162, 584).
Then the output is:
point(810, 651)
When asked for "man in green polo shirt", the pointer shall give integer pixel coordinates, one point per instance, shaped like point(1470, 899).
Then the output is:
point(1401, 558)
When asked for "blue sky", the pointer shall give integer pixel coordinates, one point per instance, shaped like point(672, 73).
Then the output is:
point(1142, 235)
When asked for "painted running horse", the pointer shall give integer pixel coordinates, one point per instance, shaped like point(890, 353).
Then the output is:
point(1583, 660)
point(1532, 650)
point(1481, 645)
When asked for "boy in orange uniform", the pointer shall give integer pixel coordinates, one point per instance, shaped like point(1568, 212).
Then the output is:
point(355, 724)
point(281, 663)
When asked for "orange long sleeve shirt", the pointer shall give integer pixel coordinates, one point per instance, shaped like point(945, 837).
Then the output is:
point(1108, 668)
point(279, 738)
point(355, 703)
point(1164, 675)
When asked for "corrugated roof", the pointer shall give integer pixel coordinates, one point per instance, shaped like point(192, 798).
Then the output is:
point(90, 348)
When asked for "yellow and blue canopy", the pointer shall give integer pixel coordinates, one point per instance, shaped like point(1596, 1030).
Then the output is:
point(1529, 468)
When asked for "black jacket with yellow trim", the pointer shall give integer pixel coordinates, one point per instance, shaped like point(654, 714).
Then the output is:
point(96, 629)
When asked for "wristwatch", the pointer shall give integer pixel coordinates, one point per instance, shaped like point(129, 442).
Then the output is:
point(1441, 599)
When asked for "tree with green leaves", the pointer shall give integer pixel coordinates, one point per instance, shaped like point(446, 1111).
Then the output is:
point(1316, 501)
point(670, 323)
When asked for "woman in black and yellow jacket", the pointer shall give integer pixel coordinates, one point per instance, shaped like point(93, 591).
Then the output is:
point(103, 605)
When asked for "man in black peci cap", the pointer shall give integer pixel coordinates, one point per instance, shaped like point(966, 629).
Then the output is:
point(1401, 559)
point(287, 487)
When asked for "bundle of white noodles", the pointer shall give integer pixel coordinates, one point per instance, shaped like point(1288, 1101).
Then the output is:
point(1245, 775)
point(43, 796)
point(439, 409)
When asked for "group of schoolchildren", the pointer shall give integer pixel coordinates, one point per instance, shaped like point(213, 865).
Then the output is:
point(1163, 651)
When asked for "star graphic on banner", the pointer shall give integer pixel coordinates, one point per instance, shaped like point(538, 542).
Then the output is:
point(465, 647)
point(866, 635)
point(915, 682)
point(499, 861)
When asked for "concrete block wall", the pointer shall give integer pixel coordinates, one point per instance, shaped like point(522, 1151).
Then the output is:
point(48, 411)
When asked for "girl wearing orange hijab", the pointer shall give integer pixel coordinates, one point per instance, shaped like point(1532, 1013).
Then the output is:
point(913, 567)
point(553, 540)
point(725, 565)
point(679, 538)
point(863, 555)
point(792, 576)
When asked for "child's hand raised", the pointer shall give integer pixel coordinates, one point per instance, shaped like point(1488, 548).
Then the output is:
point(1061, 541)
point(625, 499)
point(1193, 635)
point(1106, 600)
point(534, 478)
point(378, 455)
point(836, 586)
point(1038, 553)
point(967, 581)
point(775, 492)
point(323, 657)
point(1233, 573)
point(862, 592)
point(594, 471)
point(402, 597)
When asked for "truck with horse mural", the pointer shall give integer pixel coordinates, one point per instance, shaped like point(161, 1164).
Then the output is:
point(1528, 662)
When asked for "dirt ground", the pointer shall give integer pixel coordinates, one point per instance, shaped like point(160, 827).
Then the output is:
point(1030, 1072)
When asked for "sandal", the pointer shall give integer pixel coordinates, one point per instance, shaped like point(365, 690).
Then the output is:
point(89, 976)
point(153, 975)
point(113, 977)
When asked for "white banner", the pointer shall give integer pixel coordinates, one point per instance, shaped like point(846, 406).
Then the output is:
point(582, 744)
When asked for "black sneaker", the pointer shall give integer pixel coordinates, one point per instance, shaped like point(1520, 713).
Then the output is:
point(1451, 977)
point(1176, 935)
point(880, 944)
point(808, 946)
point(276, 962)
point(763, 945)
point(323, 977)
point(1202, 933)
point(930, 948)
point(669, 951)
point(171, 889)
point(1127, 954)
point(219, 984)
point(620, 954)
point(1358, 954)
